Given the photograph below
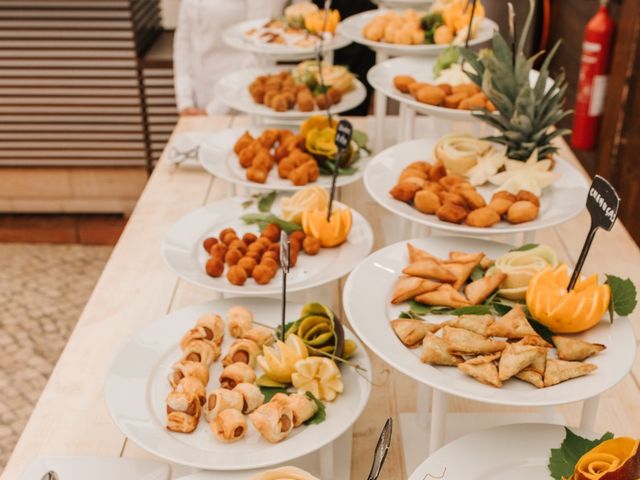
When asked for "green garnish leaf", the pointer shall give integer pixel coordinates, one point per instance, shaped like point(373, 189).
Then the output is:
point(472, 310)
point(562, 461)
point(321, 415)
point(247, 203)
point(525, 247)
point(419, 308)
point(360, 138)
point(501, 308)
point(410, 314)
point(447, 58)
point(269, 392)
point(477, 273)
point(263, 219)
point(624, 296)
point(265, 201)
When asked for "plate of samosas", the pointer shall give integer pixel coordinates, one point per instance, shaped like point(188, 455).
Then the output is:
point(419, 181)
point(196, 387)
point(233, 247)
point(275, 93)
point(432, 309)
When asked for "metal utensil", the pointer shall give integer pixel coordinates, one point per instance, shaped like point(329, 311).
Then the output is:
point(382, 447)
point(177, 156)
point(50, 475)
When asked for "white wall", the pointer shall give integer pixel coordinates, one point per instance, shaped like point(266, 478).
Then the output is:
point(169, 13)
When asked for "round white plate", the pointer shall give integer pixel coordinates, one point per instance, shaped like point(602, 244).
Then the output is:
point(218, 158)
point(235, 37)
point(183, 252)
point(381, 77)
point(367, 303)
point(502, 453)
point(233, 90)
point(559, 202)
point(352, 28)
point(136, 387)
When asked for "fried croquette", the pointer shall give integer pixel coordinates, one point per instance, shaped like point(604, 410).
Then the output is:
point(430, 95)
point(522, 211)
point(232, 257)
point(208, 243)
point(402, 82)
point(482, 217)
point(237, 275)
point(248, 263)
point(262, 274)
point(452, 213)
point(427, 201)
point(473, 198)
point(310, 245)
point(257, 174)
point(404, 191)
point(214, 267)
point(527, 195)
point(272, 233)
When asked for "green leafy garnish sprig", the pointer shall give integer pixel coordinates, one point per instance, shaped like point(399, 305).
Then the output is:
point(264, 219)
point(562, 461)
point(264, 201)
point(624, 296)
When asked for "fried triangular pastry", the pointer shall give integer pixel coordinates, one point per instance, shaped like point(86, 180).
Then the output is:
point(464, 257)
point(430, 268)
point(445, 296)
point(479, 290)
point(535, 340)
point(411, 331)
point(416, 254)
point(514, 359)
point(480, 359)
point(531, 376)
point(410, 287)
point(513, 325)
point(434, 351)
point(486, 373)
point(560, 370)
point(475, 323)
point(461, 270)
point(464, 342)
point(573, 349)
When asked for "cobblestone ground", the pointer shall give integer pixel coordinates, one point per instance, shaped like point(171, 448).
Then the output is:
point(43, 289)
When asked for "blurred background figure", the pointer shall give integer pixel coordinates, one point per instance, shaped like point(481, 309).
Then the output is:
point(201, 58)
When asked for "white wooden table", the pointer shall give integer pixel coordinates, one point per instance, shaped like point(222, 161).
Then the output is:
point(136, 287)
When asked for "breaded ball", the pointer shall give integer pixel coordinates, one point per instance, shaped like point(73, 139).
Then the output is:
point(297, 235)
point(530, 197)
point(430, 95)
point(294, 251)
point(473, 198)
point(271, 254)
point(427, 201)
point(232, 257)
point(256, 174)
point(305, 102)
point(522, 211)
point(214, 267)
point(468, 88)
point(271, 232)
point(443, 35)
point(334, 95)
point(262, 274)
point(459, 187)
point(249, 238)
point(455, 198)
point(237, 275)
point(219, 250)
point(451, 213)
point(404, 191)
point(438, 171)
point(228, 237)
point(224, 231)
point(434, 187)
point(257, 247)
point(255, 255)
point(482, 217)
point(415, 87)
point(448, 181)
point(270, 263)
point(402, 82)
point(248, 264)
point(265, 242)
point(311, 245)
point(239, 245)
point(208, 243)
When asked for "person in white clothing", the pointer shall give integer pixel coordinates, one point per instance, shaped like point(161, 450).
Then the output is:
point(201, 58)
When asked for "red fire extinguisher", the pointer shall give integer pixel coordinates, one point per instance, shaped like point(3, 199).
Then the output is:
point(592, 83)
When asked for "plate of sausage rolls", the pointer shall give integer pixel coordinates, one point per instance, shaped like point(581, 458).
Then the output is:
point(195, 388)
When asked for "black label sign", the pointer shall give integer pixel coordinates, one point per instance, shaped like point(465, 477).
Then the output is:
point(602, 203)
point(343, 134)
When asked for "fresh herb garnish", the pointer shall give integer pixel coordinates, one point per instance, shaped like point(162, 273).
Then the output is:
point(419, 308)
point(562, 461)
point(430, 22)
point(477, 273)
point(265, 201)
point(623, 296)
point(269, 392)
point(472, 310)
point(320, 415)
point(263, 219)
point(525, 247)
point(410, 314)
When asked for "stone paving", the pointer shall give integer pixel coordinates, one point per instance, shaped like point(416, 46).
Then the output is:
point(43, 289)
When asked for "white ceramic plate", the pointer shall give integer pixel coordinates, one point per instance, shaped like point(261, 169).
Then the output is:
point(503, 453)
point(381, 77)
point(367, 303)
point(233, 90)
point(136, 387)
point(235, 37)
point(352, 28)
point(560, 202)
point(97, 468)
point(218, 158)
point(183, 252)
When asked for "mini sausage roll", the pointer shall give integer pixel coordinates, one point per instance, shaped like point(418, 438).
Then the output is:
point(183, 412)
point(192, 386)
point(251, 395)
point(229, 426)
point(236, 373)
point(201, 351)
point(222, 399)
point(243, 350)
point(209, 327)
point(259, 334)
point(185, 368)
point(302, 407)
point(239, 321)
point(274, 420)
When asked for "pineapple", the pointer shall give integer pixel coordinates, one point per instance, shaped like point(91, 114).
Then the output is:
point(524, 114)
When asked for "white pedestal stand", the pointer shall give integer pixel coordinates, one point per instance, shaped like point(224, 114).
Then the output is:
point(380, 109)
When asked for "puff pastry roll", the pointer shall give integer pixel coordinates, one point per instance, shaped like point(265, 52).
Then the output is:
point(243, 350)
point(185, 368)
point(239, 321)
point(252, 397)
point(201, 351)
point(222, 399)
point(229, 426)
point(259, 334)
point(192, 386)
point(302, 407)
point(274, 420)
point(183, 412)
point(209, 327)
point(236, 373)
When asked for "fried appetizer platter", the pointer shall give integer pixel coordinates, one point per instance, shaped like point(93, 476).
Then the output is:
point(235, 401)
point(488, 347)
point(466, 96)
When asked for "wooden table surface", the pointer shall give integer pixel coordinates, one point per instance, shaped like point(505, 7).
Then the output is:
point(136, 288)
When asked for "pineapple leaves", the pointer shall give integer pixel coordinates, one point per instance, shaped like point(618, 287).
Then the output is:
point(527, 26)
